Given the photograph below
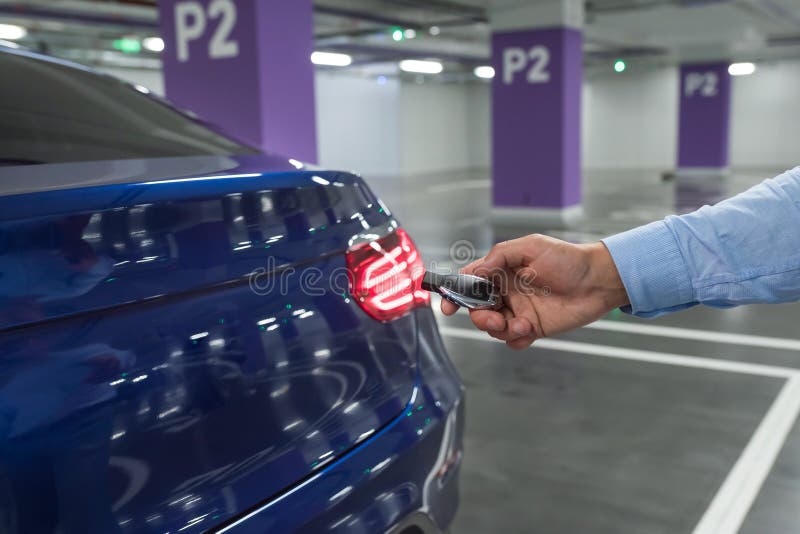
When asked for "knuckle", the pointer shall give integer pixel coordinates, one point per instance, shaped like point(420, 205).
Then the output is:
point(497, 248)
point(534, 238)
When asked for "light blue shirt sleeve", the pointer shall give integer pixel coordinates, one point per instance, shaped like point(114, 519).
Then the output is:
point(743, 250)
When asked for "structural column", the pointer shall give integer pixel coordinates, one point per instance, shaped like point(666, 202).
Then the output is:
point(704, 124)
point(536, 102)
point(244, 65)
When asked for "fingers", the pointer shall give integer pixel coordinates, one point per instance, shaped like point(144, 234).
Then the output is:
point(520, 327)
point(521, 343)
point(505, 328)
point(448, 308)
point(488, 320)
point(519, 333)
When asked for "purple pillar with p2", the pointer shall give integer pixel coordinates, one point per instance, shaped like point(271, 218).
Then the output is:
point(245, 66)
point(704, 123)
point(536, 121)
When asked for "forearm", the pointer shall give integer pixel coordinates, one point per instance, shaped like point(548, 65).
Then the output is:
point(743, 250)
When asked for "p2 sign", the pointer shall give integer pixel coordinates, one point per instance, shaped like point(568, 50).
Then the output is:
point(705, 84)
point(534, 61)
point(191, 23)
point(536, 99)
point(703, 126)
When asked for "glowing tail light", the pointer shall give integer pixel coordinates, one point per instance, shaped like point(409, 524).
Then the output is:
point(385, 276)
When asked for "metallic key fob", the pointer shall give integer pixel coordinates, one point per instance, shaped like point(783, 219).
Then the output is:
point(465, 290)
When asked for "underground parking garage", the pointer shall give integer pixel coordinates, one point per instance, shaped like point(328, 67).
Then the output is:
point(399, 266)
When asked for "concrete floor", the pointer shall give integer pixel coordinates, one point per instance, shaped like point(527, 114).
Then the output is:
point(619, 428)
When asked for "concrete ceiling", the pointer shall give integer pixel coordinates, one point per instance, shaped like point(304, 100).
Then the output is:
point(646, 31)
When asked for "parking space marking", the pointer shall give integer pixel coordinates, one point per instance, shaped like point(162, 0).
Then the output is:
point(726, 338)
point(664, 358)
point(697, 335)
point(734, 498)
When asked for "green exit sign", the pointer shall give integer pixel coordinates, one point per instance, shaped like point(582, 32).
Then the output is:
point(128, 46)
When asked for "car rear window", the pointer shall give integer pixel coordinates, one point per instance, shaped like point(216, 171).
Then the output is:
point(54, 113)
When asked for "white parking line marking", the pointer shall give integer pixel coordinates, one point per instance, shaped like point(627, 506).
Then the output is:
point(735, 497)
point(727, 338)
point(639, 355)
point(697, 335)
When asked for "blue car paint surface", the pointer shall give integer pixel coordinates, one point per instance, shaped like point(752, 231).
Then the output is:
point(180, 352)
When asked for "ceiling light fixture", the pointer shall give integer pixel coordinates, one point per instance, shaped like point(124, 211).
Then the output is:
point(484, 71)
point(12, 31)
point(421, 66)
point(741, 69)
point(154, 44)
point(331, 59)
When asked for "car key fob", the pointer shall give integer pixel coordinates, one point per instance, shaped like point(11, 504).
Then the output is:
point(465, 290)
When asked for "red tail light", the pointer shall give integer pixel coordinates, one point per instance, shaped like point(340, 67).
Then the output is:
point(385, 276)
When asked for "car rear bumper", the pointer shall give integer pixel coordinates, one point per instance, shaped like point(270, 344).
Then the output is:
point(416, 523)
point(402, 479)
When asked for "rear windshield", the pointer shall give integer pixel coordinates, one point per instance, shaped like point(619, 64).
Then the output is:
point(54, 113)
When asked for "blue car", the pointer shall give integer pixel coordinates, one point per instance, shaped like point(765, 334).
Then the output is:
point(198, 336)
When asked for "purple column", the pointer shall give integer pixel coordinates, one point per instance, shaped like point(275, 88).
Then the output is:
point(245, 66)
point(703, 130)
point(536, 100)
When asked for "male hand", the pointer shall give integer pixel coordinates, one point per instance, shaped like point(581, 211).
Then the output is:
point(548, 286)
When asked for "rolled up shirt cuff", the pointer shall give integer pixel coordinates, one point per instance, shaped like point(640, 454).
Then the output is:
point(651, 267)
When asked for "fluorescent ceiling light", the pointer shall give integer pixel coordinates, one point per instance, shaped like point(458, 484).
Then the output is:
point(154, 44)
point(741, 69)
point(420, 66)
point(484, 71)
point(331, 59)
point(12, 31)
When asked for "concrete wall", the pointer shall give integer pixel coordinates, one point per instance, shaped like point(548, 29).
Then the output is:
point(629, 121)
point(358, 124)
point(434, 123)
point(765, 119)
point(400, 128)
point(480, 125)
